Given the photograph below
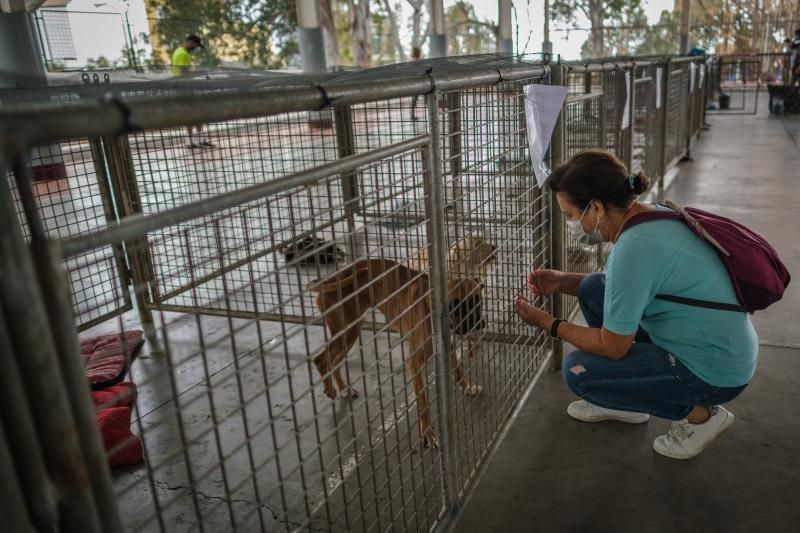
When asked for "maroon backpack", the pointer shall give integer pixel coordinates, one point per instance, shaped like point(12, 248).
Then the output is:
point(757, 273)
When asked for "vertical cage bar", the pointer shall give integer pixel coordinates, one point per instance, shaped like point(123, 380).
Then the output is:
point(25, 310)
point(123, 179)
point(21, 439)
point(434, 205)
point(56, 298)
point(556, 218)
point(665, 99)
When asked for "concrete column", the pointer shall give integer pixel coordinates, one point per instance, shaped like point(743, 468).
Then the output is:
point(686, 13)
point(20, 53)
point(312, 53)
point(438, 36)
point(505, 44)
point(309, 34)
point(21, 66)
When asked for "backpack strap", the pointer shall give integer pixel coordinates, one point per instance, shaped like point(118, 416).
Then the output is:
point(677, 213)
point(702, 303)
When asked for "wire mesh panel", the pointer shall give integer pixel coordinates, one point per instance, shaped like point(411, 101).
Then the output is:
point(583, 123)
point(173, 167)
point(73, 196)
point(676, 107)
point(237, 426)
point(643, 150)
point(738, 82)
point(615, 92)
point(496, 230)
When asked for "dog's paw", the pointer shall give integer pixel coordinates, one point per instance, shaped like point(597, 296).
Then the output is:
point(430, 440)
point(330, 390)
point(470, 389)
point(348, 392)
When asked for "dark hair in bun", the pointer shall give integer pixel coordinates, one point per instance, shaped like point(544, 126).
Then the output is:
point(598, 175)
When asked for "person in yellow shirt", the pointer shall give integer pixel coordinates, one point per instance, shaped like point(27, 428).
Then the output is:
point(181, 65)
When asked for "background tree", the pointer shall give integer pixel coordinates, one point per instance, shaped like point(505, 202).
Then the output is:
point(466, 33)
point(600, 14)
point(361, 32)
point(259, 33)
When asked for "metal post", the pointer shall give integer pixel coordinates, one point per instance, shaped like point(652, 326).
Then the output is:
point(557, 235)
point(124, 185)
point(58, 305)
point(345, 143)
point(106, 196)
point(134, 55)
point(547, 46)
point(12, 505)
point(21, 439)
point(667, 66)
point(438, 35)
point(505, 43)
point(27, 317)
point(631, 102)
point(434, 205)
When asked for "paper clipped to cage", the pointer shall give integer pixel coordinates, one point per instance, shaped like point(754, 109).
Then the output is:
point(542, 105)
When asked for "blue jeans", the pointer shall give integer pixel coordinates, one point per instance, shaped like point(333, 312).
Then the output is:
point(647, 380)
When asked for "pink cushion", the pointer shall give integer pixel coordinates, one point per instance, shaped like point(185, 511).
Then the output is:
point(106, 357)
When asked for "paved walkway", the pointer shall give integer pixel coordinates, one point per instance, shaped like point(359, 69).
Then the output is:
point(554, 474)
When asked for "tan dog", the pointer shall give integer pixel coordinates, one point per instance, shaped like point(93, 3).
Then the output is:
point(473, 256)
point(470, 257)
point(403, 296)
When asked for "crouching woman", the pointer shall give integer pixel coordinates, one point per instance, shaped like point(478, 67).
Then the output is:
point(640, 355)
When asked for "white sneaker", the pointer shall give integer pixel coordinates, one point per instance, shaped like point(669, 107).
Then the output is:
point(685, 440)
point(587, 412)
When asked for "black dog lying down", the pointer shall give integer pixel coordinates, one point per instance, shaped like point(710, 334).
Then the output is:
point(312, 251)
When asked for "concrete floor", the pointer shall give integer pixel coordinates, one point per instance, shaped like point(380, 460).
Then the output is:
point(555, 474)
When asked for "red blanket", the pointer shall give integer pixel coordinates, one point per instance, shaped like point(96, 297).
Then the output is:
point(106, 358)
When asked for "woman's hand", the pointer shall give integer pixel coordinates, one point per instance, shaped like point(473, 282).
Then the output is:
point(532, 315)
point(544, 281)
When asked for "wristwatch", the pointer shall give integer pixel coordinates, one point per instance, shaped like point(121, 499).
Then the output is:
point(554, 328)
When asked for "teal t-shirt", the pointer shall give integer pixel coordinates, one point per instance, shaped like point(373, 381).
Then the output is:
point(665, 257)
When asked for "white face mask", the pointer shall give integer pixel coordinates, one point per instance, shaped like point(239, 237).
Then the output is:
point(576, 230)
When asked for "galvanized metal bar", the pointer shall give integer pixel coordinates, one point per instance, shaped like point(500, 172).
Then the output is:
point(57, 302)
point(434, 205)
point(53, 122)
point(346, 145)
point(197, 282)
point(110, 211)
point(573, 98)
point(41, 376)
point(627, 137)
point(557, 234)
point(22, 440)
point(138, 225)
point(665, 93)
point(117, 153)
point(12, 505)
point(453, 105)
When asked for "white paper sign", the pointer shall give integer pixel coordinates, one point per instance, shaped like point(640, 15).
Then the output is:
point(626, 111)
point(658, 87)
point(702, 75)
point(692, 68)
point(542, 105)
